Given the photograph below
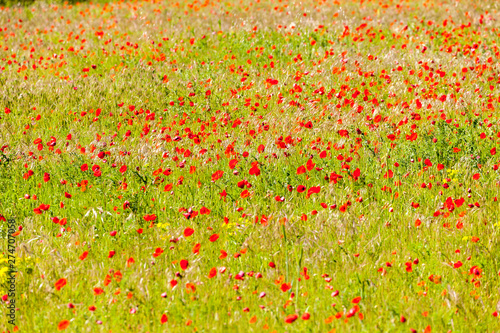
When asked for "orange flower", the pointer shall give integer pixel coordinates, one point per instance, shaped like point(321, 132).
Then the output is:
point(63, 325)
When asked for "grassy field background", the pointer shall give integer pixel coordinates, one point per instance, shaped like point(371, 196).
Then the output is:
point(258, 166)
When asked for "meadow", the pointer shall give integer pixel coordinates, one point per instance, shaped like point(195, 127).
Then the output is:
point(250, 166)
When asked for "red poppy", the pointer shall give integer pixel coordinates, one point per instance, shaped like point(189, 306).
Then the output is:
point(212, 273)
point(343, 133)
point(63, 324)
point(158, 252)
point(285, 287)
point(60, 283)
point(313, 190)
point(389, 174)
point(217, 175)
point(310, 165)
point(84, 255)
point(291, 318)
point(184, 264)
point(232, 163)
point(130, 261)
point(254, 170)
point(301, 188)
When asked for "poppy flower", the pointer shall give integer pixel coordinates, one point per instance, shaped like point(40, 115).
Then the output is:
point(184, 264)
point(343, 133)
point(98, 291)
point(60, 283)
point(291, 318)
point(158, 252)
point(356, 173)
point(130, 261)
point(84, 255)
point(313, 190)
point(255, 171)
point(310, 165)
point(352, 311)
point(285, 287)
point(212, 273)
point(389, 174)
point(232, 163)
point(245, 194)
point(223, 254)
point(301, 188)
point(217, 175)
point(149, 217)
point(188, 232)
point(63, 324)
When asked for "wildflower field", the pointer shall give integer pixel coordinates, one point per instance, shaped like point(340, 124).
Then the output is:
point(250, 166)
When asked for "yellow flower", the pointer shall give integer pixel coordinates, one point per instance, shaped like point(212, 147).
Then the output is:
point(163, 225)
point(3, 272)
